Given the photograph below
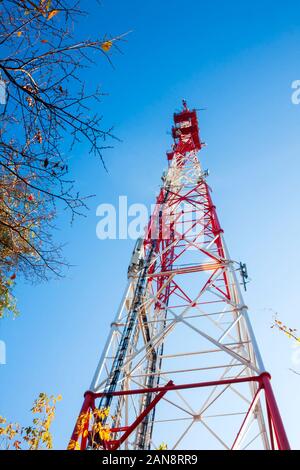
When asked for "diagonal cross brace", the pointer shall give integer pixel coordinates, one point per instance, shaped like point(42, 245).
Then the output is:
point(114, 445)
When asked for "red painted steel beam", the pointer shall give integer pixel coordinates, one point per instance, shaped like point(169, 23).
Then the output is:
point(173, 387)
point(89, 402)
point(140, 418)
point(276, 419)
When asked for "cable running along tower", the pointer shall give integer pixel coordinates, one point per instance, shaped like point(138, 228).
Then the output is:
point(181, 364)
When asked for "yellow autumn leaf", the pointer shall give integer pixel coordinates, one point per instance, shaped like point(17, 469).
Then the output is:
point(163, 446)
point(105, 46)
point(45, 436)
point(17, 445)
point(104, 434)
point(19, 33)
point(52, 13)
point(74, 445)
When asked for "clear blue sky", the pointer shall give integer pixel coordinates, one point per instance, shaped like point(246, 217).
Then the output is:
point(237, 59)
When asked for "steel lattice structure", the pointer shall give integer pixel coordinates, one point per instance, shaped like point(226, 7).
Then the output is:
point(181, 364)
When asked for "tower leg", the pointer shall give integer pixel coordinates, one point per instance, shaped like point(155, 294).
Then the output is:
point(276, 420)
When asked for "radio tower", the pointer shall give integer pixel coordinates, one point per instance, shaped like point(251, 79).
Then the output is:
point(181, 364)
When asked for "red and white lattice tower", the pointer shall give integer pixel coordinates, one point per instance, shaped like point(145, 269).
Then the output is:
point(181, 364)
